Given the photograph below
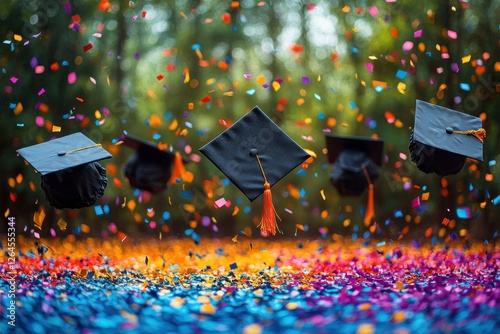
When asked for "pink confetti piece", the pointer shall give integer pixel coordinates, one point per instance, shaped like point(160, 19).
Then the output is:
point(247, 76)
point(39, 121)
point(369, 67)
point(415, 202)
point(97, 34)
point(407, 46)
point(417, 34)
point(219, 203)
point(39, 69)
point(72, 78)
point(452, 34)
point(13, 80)
point(134, 17)
point(92, 80)
point(373, 10)
point(289, 211)
point(41, 91)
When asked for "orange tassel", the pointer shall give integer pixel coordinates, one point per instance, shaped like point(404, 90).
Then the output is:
point(179, 170)
point(268, 223)
point(370, 211)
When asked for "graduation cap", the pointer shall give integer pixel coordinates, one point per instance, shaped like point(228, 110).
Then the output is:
point(254, 153)
point(355, 168)
point(150, 168)
point(71, 177)
point(442, 139)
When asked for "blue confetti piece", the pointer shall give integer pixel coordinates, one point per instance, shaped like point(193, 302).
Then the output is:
point(196, 47)
point(465, 86)
point(471, 187)
point(65, 63)
point(321, 115)
point(168, 115)
point(166, 215)
point(492, 163)
point(301, 171)
point(247, 209)
point(400, 74)
point(106, 208)
point(250, 91)
point(156, 136)
point(12, 105)
point(353, 105)
point(146, 260)
point(378, 88)
point(496, 200)
point(233, 266)
point(98, 210)
point(398, 214)
point(302, 193)
point(333, 89)
point(186, 194)
point(463, 212)
point(366, 235)
point(354, 236)
point(380, 244)
point(225, 182)
point(317, 97)
point(354, 50)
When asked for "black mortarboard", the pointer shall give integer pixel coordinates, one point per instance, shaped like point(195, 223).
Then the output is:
point(355, 162)
point(443, 138)
point(254, 153)
point(71, 176)
point(149, 168)
point(234, 152)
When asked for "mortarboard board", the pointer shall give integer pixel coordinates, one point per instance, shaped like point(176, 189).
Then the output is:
point(70, 175)
point(443, 138)
point(355, 162)
point(254, 153)
point(150, 168)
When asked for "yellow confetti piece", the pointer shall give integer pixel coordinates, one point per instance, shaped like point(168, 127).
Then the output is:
point(56, 128)
point(124, 202)
point(252, 329)
point(235, 239)
point(365, 306)
point(344, 124)
point(7, 213)
point(62, 224)
point(398, 316)
point(276, 86)
point(19, 178)
point(177, 302)
point(12, 182)
point(401, 88)
point(210, 81)
point(322, 192)
point(365, 329)
point(291, 306)
point(18, 37)
point(399, 286)
point(261, 80)
point(300, 101)
point(311, 153)
point(185, 72)
point(173, 125)
point(425, 196)
point(466, 59)
point(38, 218)
point(107, 80)
point(183, 15)
point(85, 228)
point(207, 309)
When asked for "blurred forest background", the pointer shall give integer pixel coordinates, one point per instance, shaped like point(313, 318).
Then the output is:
point(179, 72)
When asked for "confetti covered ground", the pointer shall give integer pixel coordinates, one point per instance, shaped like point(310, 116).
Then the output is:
point(252, 286)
